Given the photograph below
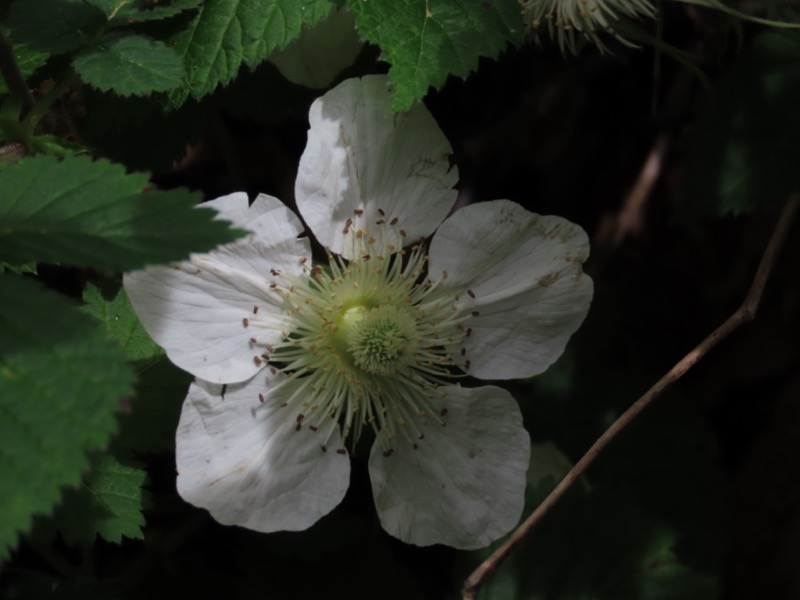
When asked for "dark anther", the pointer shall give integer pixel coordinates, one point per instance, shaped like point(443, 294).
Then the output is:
point(245, 321)
point(341, 451)
point(261, 397)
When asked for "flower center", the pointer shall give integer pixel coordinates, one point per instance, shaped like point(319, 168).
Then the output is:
point(382, 340)
point(366, 341)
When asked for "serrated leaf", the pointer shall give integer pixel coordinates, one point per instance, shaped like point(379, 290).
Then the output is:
point(227, 34)
point(124, 12)
point(120, 323)
point(55, 26)
point(108, 502)
point(60, 384)
point(150, 423)
point(91, 213)
point(746, 148)
point(130, 64)
point(425, 41)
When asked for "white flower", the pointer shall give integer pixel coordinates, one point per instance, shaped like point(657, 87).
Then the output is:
point(566, 19)
point(375, 338)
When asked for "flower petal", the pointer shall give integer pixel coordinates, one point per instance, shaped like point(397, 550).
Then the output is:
point(521, 272)
point(360, 156)
point(464, 483)
point(244, 461)
point(203, 311)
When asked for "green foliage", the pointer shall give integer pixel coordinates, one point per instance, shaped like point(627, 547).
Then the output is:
point(130, 64)
point(149, 422)
point(91, 213)
point(120, 323)
point(746, 149)
point(597, 542)
point(227, 34)
point(54, 26)
point(427, 40)
point(108, 502)
point(28, 60)
point(123, 12)
point(60, 383)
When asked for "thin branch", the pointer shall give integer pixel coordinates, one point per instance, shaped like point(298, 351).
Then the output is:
point(15, 82)
point(745, 313)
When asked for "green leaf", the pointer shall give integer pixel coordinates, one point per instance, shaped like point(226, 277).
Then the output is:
point(93, 214)
point(55, 26)
point(130, 64)
point(109, 502)
point(60, 384)
point(120, 323)
point(149, 424)
point(124, 12)
point(28, 60)
point(427, 40)
point(226, 34)
point(745, 149)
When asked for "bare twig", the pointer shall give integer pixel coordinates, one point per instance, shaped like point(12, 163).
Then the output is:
point(745, 313)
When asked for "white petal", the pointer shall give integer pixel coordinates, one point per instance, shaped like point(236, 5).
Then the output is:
point(196, 309)
point(524, 271)
point(464, 484)
point(360, 156)
point(244, 461)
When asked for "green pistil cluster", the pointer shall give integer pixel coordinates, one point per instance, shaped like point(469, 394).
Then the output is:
point(367, 341)
point(381, 341)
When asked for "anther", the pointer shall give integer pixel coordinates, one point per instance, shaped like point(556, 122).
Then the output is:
point(253, 341)
point(261, 397)
point(463, 352)
point(284, 404)
point(324, 448)
point(388, 453)
point(358, 212)
point(380, 222)
point(303, 260)
point(300, 417)
point(347, 226)
point(381, 213)
point(255, 309)
point(312, 428)
point(471, 293)
point(475, 313)
point(273, 370)
point(341, 451)
point(468, 332)
point(265, 356)
point(443, 412)
point(245, 322)
point(393, 221)
point(402, 233)
point(275, 272)
point(257, 361)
